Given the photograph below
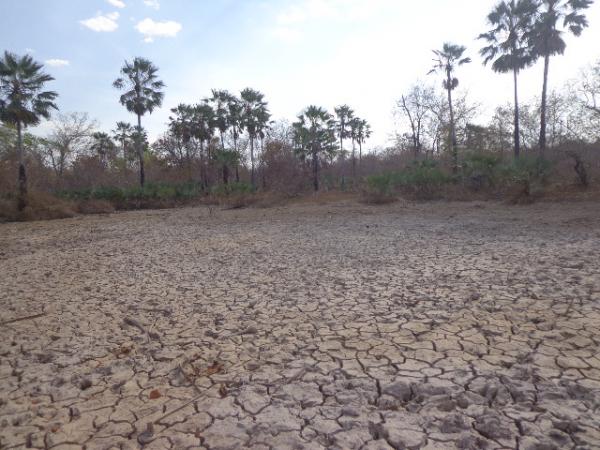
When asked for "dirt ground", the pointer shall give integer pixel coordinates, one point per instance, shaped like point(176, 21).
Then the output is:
point(341, 326)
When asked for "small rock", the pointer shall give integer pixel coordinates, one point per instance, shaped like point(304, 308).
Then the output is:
point(146, 436)
point(86, 383)
point(399, 390)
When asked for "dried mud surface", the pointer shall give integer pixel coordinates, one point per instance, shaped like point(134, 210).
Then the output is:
point(341, 326)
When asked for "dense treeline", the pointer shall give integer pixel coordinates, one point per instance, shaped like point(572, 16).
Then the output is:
point(228, 142)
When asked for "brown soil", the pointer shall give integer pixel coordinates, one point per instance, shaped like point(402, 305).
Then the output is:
point(337, 325)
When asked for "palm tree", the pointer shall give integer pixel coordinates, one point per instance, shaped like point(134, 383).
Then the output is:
point(220, 102)
point(102, 145)
point(363, 132)
point(23, 103)
point(546, 39)
point(203, 131)
point(143, 93)
point(344, 116)
point(181, 125)
point(447, 60)
point(313, 133)
point(508, 47)
point(122, 134)
point(354, 124)
point(255, 117)
point(234, 105)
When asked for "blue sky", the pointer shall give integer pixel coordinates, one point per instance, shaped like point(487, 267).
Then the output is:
point(362, 52)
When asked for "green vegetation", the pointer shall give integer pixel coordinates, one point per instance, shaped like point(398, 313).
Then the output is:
point(226, 147)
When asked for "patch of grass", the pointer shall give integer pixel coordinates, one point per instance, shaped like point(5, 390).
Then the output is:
point(95, 207)
point(152, 195)
point(40, 206)
point(421, 180)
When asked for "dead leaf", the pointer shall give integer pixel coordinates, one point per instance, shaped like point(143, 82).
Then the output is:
point(154, 394)
point(216, 367)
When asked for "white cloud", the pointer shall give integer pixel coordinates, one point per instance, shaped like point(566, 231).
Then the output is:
point(102, 22)
point(29, 51)
point(57, 62)
point(152, 4)
point(151, 29)
point(287, 34)
point(117, 3)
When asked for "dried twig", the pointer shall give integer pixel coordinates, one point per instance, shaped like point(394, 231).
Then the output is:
point(20, 319)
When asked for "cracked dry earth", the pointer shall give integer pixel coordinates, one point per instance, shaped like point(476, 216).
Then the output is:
point(340, 326)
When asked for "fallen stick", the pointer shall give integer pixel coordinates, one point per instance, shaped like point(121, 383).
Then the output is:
point(20, 319)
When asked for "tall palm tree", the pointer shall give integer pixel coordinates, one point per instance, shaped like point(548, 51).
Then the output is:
point(255, 116)
point(122, 134)
point(546, 39)
point(23, 103)
point(143, 94)
point(103, 146)
point(312, 133)
point(363, 132)
point(220, 102)
point(447, 60)
point(234, 105)
point(508, 48)
point(344, 116)
point(354, 125)
point(203, 131)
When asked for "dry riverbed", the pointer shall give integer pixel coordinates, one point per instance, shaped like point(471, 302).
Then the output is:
point(340, 326)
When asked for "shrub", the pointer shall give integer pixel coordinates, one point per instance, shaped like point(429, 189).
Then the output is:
point(379, 190)
point(43, 206)
point(528, 175)
point(232, 189)
point(481, 170)
point(95, 207)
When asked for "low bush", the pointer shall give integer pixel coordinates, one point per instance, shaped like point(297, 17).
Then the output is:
point(95, 207)
point(420, 180)
point(39, 206)
point(481, 170)
point(379, 190)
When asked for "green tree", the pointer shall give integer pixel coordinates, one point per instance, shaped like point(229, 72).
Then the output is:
point(23, 103)
point(123, 135)
point(220, 103)
point(362, 133)
point(344, 116)
point(553, 19)
point(508, 47)
point(103, 146)
point(203, 131)
point(447, 60)
point(314, 134)
point(236, 125)
point(143, 93)
point(255, 117)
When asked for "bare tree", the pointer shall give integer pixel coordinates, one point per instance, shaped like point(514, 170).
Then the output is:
point(70, 136)
point(415, 107)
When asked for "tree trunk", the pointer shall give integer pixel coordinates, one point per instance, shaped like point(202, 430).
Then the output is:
point(353, 160)
point(225, 174)
point(342, 126)
point(452, 129)
point(252, 174)
point(517, 136)
point(202, 167)
point(22, 201)
point(315, 168)
point(237, 162)
point(543, 108)
point(140, 152)
point(359, 152)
